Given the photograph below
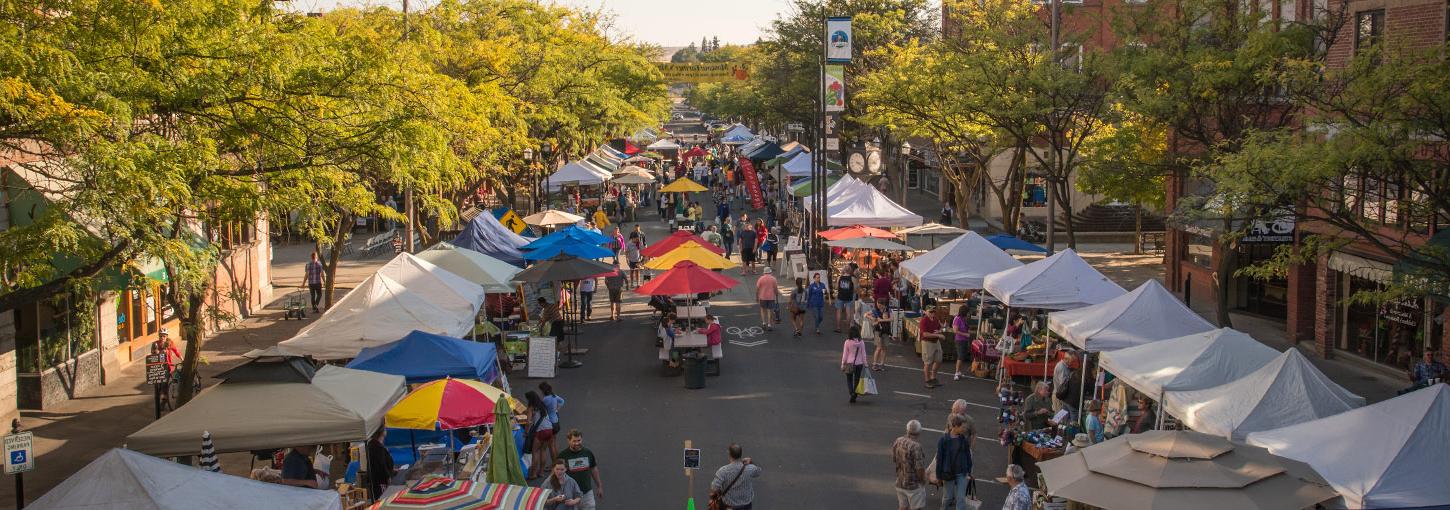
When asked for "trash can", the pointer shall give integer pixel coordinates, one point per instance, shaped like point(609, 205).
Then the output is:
point(694, 366)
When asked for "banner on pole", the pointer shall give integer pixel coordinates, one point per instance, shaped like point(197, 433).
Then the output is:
point(752, 183)
point(838, 40)
point(705, 72)
point(835, 88)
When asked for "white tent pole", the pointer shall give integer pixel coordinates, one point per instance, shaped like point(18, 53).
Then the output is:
point(1162, 397)
point(1085, 355)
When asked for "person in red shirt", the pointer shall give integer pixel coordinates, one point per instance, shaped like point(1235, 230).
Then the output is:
point(931, 354)
point(712, 331)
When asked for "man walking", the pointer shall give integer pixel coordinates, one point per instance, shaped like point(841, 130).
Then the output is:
point(910, 469)
point(1018, 497)
point(931, 339)
point(733, 481)
point(954, 464)
point(767, 294)
point(582, 467)
point(313, 275)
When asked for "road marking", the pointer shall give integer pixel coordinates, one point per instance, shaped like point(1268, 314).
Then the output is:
point(952, 400)
point(756, 343)
point(912, 394)
point(934, 430)
point(918, 369)
point(750, 332)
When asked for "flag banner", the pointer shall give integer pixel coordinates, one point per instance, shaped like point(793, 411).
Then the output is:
point(752, 184)
point(834, 94)
point(706, 72)
point(838, 40)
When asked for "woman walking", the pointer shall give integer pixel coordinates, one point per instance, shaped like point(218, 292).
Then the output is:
point(853, 359)
point(542, 429)
point(727, 236)
point(816, 299)
point(797, 305)
point(961, 329)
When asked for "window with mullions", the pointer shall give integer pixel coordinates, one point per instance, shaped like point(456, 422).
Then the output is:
point(1369, 28)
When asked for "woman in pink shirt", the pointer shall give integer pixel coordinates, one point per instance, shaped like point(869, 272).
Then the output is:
point(853, 359)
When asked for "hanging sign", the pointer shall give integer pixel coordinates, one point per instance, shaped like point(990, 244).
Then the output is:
point(838, 40)
point(834, 91)
point(706, 72)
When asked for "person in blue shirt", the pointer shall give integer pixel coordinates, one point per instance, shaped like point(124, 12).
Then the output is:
point(816, 299)
point(552, 403)
point(1426, 371)
point(1093, 423)
point(954, 463)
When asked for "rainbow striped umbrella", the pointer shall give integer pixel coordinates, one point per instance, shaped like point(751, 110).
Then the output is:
point(435, 492)
point(447, 404)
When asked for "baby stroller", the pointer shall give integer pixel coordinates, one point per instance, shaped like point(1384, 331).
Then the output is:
point(296, 306)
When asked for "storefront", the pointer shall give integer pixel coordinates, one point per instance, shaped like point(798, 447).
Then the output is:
point(140, 314)
point(1393, 333)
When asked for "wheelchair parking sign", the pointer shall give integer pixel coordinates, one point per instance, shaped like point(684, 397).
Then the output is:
point(19, 456)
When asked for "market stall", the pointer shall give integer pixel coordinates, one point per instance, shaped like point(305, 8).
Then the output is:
point(962, 264)
point(930, 236)
point(484, 234)
point(337, 405)
point(378, 311)
point(449, 291)
point(1387, 455)
point(1147, 314)
point(494, 275)
point(1191, 362)
point(577, 173)
point(422, 357)
point(122, 479)
point(1283, 392)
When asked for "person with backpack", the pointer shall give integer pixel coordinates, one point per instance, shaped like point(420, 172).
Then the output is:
point(796, 305)
point(845, 297)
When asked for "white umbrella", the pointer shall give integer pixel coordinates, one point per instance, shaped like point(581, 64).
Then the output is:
point(869, 243)
point(552, 217)
point(632, 170)
point(632, 179)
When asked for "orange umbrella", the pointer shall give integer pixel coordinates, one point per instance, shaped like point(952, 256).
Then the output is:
point(663, 246)
point(853, 232)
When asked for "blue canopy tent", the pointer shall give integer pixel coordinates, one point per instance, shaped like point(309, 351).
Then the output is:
point(574, 247)
point(487, 236)
point(422, 357)
point(736, 139)
point(765, 151)
point(571, 233)
point(1011, 243)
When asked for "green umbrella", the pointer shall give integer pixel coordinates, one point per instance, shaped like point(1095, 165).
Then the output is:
point(503, 459)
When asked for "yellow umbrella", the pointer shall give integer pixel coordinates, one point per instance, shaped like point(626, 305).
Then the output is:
point(693, 252)
point(683, 185)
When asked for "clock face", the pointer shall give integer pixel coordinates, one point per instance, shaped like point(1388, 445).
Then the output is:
point(856, 162)
point(873, 161)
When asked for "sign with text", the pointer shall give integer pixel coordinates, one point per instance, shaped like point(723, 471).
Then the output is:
point(1271, 230)
point(692, 458)
point(833, 91)
point(838, 40)
point(703, 72)
point(543, 355)
point(19, 453)
point(155, 369)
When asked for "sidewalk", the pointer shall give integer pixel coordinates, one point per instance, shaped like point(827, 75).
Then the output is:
point(76, 432)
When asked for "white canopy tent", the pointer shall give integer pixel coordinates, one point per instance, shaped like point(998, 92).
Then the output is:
point(450, 291)
point(1149, 313)
point(960, 264)
point(378, 311)
point(603, 162)
point(664, 145)
point(1061, 282)
point(799, 166)
point(853, 202)
point(1387, 455)
point(1286, 391)
point(577, 173)
point(1191, 362)
point(737, 130)
point(122, 479)
point(492, 274)
point(338, 406)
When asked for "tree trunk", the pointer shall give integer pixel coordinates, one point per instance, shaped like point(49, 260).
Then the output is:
point(1225, 270)
point(329, 268)
point(192, 328)
point(1138, 228)
point(1064, 206)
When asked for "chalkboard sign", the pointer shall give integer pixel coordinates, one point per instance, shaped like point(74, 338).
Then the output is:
point(542, 356)
point(692, 458)
point(155, 369)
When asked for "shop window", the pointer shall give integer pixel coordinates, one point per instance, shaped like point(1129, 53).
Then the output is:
point(930, 182)
point(1199, 250)
point(58, 330)
point(1394, 333)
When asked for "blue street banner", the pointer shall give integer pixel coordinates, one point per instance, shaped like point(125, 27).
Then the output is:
point(838, 40)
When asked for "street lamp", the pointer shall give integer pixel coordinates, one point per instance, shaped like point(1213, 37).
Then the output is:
point(529, 163)
point(905, 163)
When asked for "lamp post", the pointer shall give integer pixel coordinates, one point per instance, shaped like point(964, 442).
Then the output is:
point(529, 163)
point(905, 164)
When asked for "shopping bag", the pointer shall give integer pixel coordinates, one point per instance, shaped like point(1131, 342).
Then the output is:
point(861, 384)
point(973, 502)
point(868, 384)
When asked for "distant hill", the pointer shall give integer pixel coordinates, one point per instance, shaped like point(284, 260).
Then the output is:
point(667, 53)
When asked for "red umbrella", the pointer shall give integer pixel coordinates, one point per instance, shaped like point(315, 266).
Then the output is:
point(856, 231)
point(686, 278)
point(663, 246)
point(694, 152)
point(630, 149)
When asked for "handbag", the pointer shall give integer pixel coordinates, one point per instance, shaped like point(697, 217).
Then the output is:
point(973, 502)
point(717, 498)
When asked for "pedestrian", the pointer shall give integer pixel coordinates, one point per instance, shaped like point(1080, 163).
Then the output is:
point(313, 275)
point(770, 246)
point(797, 305)
point(1147, 419)
point(584, 469)
point(1037, 407)
point(853, 360)
point(380, 464)
point(931, 339)
point(550, 321)
point(566, 494)
point(961, 330)
point(816, 299)
point(586, 298)
point(906, 453)
point(297, 469)
point(634, 259)
point(880, 320)
point(733, 485)
point(954, 464)
point(1018, 496)
point(614, 283)
point(747, 249)
point(541, 431)
point(618, 244)
point(712, 236)
point(552, 404)
point(845, 298)
point(881, 288)
point(1061, 377)
point(1092, 423)
point(766, 295)
point(637, 235)
point(946, 214)
point(727, 235)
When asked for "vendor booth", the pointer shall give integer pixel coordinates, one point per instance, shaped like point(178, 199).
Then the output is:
point(1286, 391)
point(378, 311)
point(494, 275)
point(338, 405)
point(579, 174)
point(852, 202)
point(961, 264)
point(484, 234)
point(449, 291)
point(1147, 314)
point(1061, 282)
point(122, 479)
point(1191, 362)
point(422, 357)
point(1386, 455)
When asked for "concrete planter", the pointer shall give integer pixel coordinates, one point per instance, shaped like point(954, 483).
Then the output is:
point(59, 383)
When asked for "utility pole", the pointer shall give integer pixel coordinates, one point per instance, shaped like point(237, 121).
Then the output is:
point(409, 232)
point(1056, 29)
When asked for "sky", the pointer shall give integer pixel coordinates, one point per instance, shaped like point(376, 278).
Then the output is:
point(676, 23)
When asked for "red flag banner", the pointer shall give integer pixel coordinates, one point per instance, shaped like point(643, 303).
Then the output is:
point(752, 183)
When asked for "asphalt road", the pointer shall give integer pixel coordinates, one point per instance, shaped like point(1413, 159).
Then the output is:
point(784, 401)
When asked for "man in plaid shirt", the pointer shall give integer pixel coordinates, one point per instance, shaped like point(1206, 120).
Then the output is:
point(314, 280)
